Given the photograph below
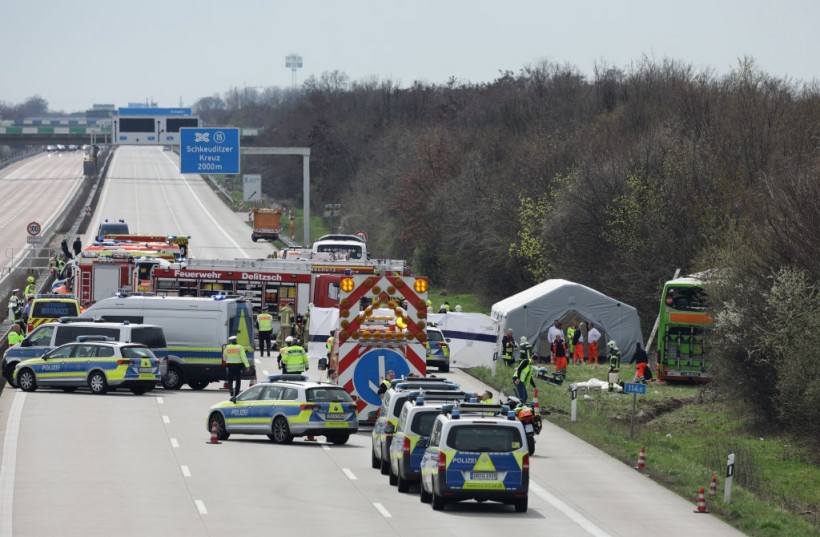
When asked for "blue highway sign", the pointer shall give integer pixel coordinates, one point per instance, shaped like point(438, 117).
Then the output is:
point(211, 150)
point(371, 369)
point(634, 387)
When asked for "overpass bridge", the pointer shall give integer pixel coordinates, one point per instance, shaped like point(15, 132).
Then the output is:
point(80, 135)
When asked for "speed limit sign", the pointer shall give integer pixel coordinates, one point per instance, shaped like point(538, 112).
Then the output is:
point(362, 235)
point(33, 228)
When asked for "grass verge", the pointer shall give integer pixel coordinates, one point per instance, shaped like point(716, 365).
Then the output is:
point(688, 433)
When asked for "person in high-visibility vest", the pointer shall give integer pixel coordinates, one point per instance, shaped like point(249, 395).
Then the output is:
point(523, 375)
point(329, 343)
point(235, 360)
point(30, 289)
point(264, 327)
point(386, 383)
point(294, 358)
point(486, 398)
point(15, 335)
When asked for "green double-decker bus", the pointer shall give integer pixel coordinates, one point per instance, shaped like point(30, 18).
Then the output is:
point(683, 349)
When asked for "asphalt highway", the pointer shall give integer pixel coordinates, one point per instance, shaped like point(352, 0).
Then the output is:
point(75, 464)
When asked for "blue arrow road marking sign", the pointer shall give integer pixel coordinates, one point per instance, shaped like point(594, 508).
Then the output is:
point(634, 387)
point(211, 150)
point(370, 370)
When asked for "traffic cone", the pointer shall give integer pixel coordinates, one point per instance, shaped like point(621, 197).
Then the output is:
point(713, 486)
point(215, 435)
point(535, 406)
point(641, 459)
point(701, 503)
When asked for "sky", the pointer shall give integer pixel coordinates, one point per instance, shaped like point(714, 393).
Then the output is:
point(79, 52)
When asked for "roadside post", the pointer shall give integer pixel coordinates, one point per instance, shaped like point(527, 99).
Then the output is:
point(573, 388)
point(634, 388)
point(730, 472)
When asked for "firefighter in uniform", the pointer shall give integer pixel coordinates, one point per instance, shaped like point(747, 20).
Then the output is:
point(30, 289)
point(264, 325)
point(235, 360)
point(614, 364)
point(285, 325)
point(508, 347)
point(294, 359)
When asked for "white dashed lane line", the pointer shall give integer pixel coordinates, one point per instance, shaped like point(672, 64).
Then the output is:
point(174, 443)
point(200, 506)
point(384, 512)
point(185, 471)
point(349, 474)
point(166, 419)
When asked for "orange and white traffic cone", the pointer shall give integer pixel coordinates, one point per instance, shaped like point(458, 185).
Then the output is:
point(713, 486)
point(214, 434)
point(701, 503)
point(535, 406)
point(641, 459)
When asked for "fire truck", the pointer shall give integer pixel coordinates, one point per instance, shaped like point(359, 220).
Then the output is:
point(382, 327)
point(273, 283)
point(105, 268)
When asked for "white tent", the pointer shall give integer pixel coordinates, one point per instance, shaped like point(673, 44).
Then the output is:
point(532, 311)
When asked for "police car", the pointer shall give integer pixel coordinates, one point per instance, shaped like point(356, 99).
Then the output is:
point(478, 452)
point(392, 402)
point(285, 407)
point(412, 436)
point(438, 350)
point(92, 361)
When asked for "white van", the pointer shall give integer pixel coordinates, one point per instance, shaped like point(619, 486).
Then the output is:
point(349, 245)
point(49, 336)
point(195, 329)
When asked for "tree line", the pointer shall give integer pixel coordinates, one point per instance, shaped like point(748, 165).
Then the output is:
point(612, 180)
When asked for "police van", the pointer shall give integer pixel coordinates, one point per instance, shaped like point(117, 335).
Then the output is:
point(47, 337)
point(195, 329)
point(476, 452)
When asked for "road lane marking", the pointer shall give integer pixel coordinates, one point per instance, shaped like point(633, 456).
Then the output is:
point(264, 372)
point(349, 474)
point(325, 447)
point(185, 471)
point(571, 513)
point(200, 506)
point(160, 400)
point(174, 442)
point(204, 210)
point(166, 419)
point(257, 360)
point(9, 465)
point(380, 508)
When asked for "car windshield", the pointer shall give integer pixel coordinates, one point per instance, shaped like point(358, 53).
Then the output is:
point(484, 437)
point(434, 336)
point(328, 395)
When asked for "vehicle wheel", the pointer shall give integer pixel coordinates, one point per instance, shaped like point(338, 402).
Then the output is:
point(221, 431)
point(531, 444)
point(281, 431)
point(338, 439)
point(26, 380)
point(425, 496)
point(198, 385)
point(393, 478)
point(254, 238)
point(385, 466)
point(70, 389)
point(97, 383)
point(521, 506)
point(374, 461)
point(172, 380)
point(402, 484)
point(437, 501)
point(9, 374)
point(444, 368)
point(140, 391)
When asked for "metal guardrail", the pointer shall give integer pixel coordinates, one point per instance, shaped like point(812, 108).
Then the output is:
point(17, 267)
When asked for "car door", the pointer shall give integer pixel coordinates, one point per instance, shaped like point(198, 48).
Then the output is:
point(243, 416)
point(53, 369)
point(268, 406)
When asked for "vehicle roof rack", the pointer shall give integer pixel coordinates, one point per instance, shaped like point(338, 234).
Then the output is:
point(83, 339)
point(481, 409)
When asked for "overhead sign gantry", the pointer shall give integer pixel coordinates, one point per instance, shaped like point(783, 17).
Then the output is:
point(151, 126)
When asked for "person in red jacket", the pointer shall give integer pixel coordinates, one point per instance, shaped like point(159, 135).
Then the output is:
point(559, 351)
